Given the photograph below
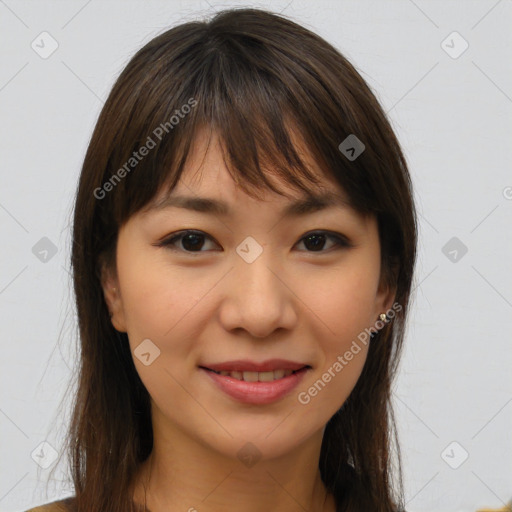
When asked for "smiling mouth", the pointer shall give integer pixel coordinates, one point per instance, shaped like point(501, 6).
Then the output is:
point(250, 376)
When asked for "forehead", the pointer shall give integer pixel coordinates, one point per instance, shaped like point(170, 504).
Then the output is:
point(206, 183)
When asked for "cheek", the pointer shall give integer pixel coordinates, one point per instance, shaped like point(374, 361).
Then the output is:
point(162, 303)
point(340, 307)
point(156, 296)
point(341, 302)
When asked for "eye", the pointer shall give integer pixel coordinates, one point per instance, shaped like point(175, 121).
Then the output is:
point(316, 240)
point(193, 241)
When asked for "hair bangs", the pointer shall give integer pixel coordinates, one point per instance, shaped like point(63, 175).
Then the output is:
point(253, 111)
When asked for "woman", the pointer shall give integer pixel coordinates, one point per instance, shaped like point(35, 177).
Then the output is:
point(244, 243)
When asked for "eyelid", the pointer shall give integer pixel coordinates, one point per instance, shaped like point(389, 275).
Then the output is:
point(167, 241)
point(342, 241)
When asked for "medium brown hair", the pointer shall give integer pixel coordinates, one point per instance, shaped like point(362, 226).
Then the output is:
point(253, 76)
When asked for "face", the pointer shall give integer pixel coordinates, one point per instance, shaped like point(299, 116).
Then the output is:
point(253, 284)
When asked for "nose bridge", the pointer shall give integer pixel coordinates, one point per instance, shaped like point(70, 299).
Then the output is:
point(254, 278)
point(258, 301)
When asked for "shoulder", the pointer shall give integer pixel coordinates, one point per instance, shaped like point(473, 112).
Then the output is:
point(64, 505)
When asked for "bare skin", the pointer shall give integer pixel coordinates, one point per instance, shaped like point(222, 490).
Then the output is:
point(209, 305)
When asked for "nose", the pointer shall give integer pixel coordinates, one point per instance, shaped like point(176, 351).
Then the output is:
point(258, 298)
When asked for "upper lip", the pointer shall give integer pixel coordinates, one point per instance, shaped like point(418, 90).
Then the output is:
point(253, 366)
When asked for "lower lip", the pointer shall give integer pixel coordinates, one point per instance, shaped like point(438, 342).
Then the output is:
point(258, 393)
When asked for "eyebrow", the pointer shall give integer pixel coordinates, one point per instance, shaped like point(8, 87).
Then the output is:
point(303, 206)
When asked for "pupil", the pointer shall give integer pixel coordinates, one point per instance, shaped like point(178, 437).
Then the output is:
point(191, 237)
point(318, 244)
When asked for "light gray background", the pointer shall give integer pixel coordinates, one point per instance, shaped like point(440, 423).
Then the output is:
point(453, 117)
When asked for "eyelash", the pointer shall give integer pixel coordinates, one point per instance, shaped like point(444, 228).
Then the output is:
point(341, 241)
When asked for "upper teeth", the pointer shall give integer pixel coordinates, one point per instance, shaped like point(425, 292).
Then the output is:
point(258, 376)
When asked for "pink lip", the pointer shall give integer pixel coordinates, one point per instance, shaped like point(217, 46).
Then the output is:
point(258, 393)
point(240, 365)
